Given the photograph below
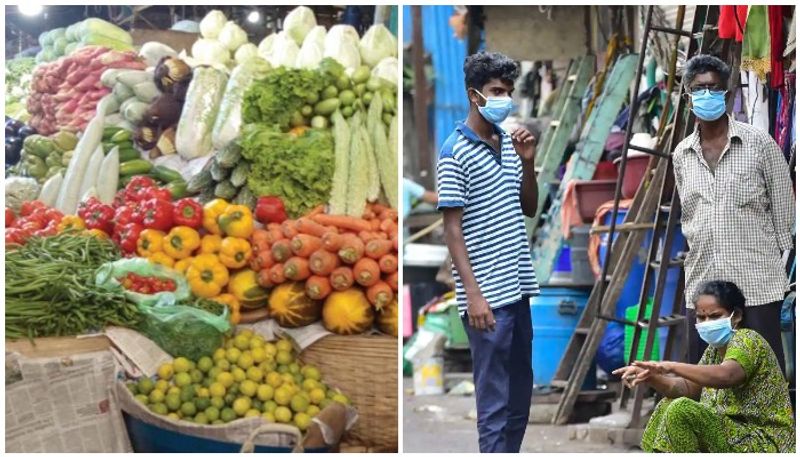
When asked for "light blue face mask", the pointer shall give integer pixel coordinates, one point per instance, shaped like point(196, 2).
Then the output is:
point(716, 333)
point(496, 109)
point(708, 105)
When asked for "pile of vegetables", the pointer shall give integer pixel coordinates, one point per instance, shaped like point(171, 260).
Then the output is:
point(223, 42)
point(224, 176)
point(16, 132)
point(89, 32)
point(65, 93)
point(50, 288)
point(132, 93)
point(44, 157)
point(34, 219)
point(19, 73)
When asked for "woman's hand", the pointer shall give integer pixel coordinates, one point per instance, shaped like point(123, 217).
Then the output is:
point(633, 375)
point(656, 368)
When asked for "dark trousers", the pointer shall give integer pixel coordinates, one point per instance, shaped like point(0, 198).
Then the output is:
point(501, 366)
point(764, 319)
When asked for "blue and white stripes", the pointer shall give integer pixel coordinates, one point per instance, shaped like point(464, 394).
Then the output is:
point(471, 175)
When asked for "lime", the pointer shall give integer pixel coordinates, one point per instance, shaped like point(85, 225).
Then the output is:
point(302, 421)
point(238, 374)
point(246, 332)
point(325, 403)
point(229, 343)
point(347, 97)
point(156, 396)
point(300, 403)
point(162, 385)
point(259, 355)
point(217, 389)
point(283, 396)
point(181, 365)
point(252, 413)
point(288, 378)
point(229, 399)
point(233, 354)
point(213, 373)
point(218, 402)
point(207, 382)
point(202, 403)
point(225, 378)
point(159, 408)
point(269, 406)
point(341, 399)
point(257, 342)
point(187, 393)
point(145, 386)
point(203, 392)
point(283, 414)
point(271, 349)
point(174, 390)
point(201, 418)
point(212, 413)
point(132, 387)
point(173, 416)
point(234, 389)
point(173, 402)
point(219, 354)
point(294, 368)
point(217, 422)
point(165, 371)
point(196, 375)
point(274, 379)
point(205, 364)
point(183, 379)
point(269, 417)
point(248, 388)
point(311, 372)
point(265, 392)
point(241, 405)
point(282, 369)
point(245, 361)
point(254, 374)
point(242, 342)
point(188, 409)
point(223, 365)
point(227, 415)
point(316, 396)
point(298, 379)
point(142, 399)
point(312, 410)
point(258, 404)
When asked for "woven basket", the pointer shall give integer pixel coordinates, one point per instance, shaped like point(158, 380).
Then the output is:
point(365, 368)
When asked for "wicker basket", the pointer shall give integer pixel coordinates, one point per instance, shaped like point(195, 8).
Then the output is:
point(365, 367)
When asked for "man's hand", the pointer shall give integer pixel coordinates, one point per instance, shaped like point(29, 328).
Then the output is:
point(480, 313)
point(525, 144)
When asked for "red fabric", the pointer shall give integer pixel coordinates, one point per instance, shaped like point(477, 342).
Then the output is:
point(776, 45)
point(731, 21)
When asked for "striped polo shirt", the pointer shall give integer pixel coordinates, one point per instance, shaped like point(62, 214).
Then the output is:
point(472, 175)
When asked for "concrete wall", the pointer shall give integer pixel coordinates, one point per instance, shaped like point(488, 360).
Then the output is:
point(526, 33)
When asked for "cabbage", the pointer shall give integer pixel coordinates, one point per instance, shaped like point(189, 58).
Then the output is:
point(212, 24)
point(344, 52)
point(284, 51)
point(232, 36)
point(310, 55)
point(316, 35)
point(377, 44)
point(266, 47)
point(387, 70)
point(298, 23)
point(246, 52)
point(210, 52)
point(341, 32)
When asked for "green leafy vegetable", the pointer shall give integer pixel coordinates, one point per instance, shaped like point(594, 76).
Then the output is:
point(272, 100)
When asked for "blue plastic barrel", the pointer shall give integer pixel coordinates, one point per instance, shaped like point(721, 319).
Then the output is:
point(555, 314)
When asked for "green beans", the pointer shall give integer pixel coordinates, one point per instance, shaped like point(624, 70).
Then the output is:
point(50, 288)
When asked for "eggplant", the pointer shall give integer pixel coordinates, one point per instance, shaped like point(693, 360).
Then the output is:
point(13, 149)
point(26, 131)
point(13, 126)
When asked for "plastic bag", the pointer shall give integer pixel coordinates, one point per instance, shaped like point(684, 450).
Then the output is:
point(229, 119)
point(184, 331)
point(106, 277)
point(611, 353)
point(193, 137)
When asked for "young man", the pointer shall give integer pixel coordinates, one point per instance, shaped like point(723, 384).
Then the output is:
point(486, 182)
point(737, 203)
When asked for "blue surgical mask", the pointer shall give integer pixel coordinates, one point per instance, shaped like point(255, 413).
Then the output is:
point(716, 333)
point(496, 109)
point(708, 105)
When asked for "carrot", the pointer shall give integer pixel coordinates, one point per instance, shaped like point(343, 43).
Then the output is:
point(380, 294)
point(264, 279)
point(390, 214)
point(342, 278)
point(388, 263)
point(319, 209)
point(366, 236)
point(274, 233)
point(395, 240)
point(378, 209)
point(276, 274)
point(352, 249)
point(264, 260)
point(304, 245)
point(332, 242)
point(392, 281)
point(281, 250)
point(259, 234)
point(366, 272)
point(318, 287)
point(253, 263)
point(377, 247)
point(375, 224)
point(389, 227)
point(296, 269)
point(309, 227)
point(289, 228)
point(343, 222)
point(323, 262)
point(369, 215)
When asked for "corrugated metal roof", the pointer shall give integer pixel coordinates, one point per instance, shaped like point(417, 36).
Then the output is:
point(671, 14)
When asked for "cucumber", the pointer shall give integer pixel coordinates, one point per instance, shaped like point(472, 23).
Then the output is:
point(229, 156)
point(122, 136)
point(239, 174)
point(201, 180)
point(225, 190)
point(109, 132)
point(127, 154)
point(165, 174)
point(177, 188)
point(217, 172)
point(327, 107)
point(135, 167)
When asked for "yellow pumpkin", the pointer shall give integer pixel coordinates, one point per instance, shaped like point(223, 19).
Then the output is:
point(291, 307)
point(348, 312)
point(387, 319)
point(244, 286)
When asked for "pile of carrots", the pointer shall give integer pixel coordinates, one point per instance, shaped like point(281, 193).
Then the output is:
point(331, 252)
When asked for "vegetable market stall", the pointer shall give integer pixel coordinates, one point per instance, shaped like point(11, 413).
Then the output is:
point(186, 195)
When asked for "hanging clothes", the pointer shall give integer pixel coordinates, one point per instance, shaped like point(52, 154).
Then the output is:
point(756, 101)
point(775, 14)
point(756, 43)
point(731, 21)
point(791, 40)
point(785, 117)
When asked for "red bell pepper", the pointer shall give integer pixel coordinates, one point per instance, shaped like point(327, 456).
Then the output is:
point(85, 207)
point(119, 198)
point(127, 235)
point(157, 214)
point(270, 209)
point(10, 217)
point(126, 214)
point(159, 193)
point(137, 188)
point(187, 212)
point(100, 217)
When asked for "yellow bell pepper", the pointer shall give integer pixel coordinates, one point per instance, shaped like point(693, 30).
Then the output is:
point(233, 304)
point(182, 265)
point(210, 244)
point(207, 276)
point(211, 211)
point(235, 252)
point(71, 222)
point(150, 242)
point(97, 233)
point(181, 241)
point(236, 220)
point(160, 258)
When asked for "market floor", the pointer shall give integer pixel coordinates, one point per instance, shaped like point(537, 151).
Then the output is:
point(440, 424)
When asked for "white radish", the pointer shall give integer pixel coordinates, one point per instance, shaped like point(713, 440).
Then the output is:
point(70, 188)
point(50, 189)
point(108, 177)
point(90, 177)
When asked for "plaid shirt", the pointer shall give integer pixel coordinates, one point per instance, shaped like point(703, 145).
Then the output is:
point(738, 219)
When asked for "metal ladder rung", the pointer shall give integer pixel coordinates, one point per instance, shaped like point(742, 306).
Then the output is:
point(559, 383)
point(671, 31)
point(672, 263)
point(652, 152)
point(626, 227)
point(663, 321)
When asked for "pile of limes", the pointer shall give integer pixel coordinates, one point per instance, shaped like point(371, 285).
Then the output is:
point(248, 377)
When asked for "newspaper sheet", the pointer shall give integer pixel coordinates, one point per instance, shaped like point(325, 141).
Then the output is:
point(140, 351)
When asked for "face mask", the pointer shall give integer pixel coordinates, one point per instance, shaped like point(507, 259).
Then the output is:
point(716, 333)
point(496, 109)
point(708, 105)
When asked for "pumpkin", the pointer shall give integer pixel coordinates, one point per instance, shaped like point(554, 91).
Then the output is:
point(347, 312)
point(291, 307)
point(387, 319)
point(244, 286)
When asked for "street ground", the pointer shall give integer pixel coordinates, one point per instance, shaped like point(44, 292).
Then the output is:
point(441, 423)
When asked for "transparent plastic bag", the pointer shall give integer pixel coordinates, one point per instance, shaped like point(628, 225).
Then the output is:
point(184, 331)
point(106, 277)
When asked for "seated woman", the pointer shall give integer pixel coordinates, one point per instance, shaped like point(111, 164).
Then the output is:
point(734, 400)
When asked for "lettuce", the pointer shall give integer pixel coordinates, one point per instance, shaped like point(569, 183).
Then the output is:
point(273, 100)
point(377, 44)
